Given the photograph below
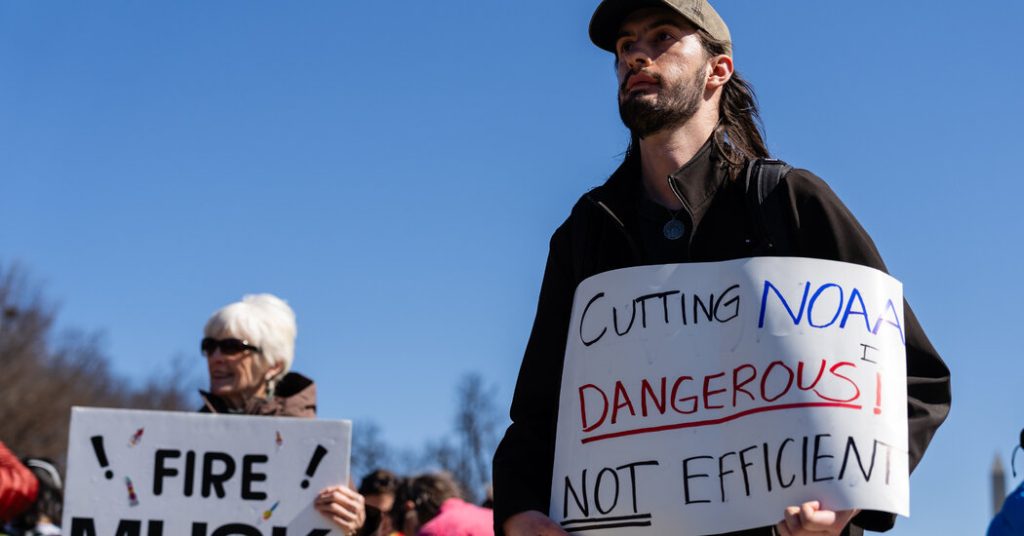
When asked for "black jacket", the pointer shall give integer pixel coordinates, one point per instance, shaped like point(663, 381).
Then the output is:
point(605, 232)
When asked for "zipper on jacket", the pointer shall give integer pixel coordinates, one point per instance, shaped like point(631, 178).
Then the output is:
point(618, 225)
point(689, 212)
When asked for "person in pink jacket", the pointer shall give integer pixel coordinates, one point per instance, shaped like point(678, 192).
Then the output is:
point(431, 505)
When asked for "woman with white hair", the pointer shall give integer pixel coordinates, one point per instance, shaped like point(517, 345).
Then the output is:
point(249, 348)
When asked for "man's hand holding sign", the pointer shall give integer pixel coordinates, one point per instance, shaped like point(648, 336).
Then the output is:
point(706, 398)
point(809, 519)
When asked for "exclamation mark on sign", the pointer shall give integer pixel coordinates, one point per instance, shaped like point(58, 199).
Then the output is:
point(313, 464)
point(101, 455)
point(878, 393)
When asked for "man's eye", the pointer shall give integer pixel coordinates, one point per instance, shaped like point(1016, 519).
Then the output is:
point(664, 36)
point(626, 46)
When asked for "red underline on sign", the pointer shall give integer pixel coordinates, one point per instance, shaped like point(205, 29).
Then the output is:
point(710, 422)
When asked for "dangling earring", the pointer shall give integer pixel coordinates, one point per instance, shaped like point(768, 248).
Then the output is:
point(271, 384)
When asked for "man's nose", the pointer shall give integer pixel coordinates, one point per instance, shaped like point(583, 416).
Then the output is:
point(637, 57)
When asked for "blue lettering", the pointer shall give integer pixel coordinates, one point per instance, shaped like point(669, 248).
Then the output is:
point(894, 322)
point(855, 295)
point(845, 308)
point(764, 303)
point(814, 299)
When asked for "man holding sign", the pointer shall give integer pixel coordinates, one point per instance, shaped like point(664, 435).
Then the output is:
point(661, 397)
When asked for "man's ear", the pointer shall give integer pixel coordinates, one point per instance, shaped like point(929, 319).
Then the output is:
point(272, 372)
point(721, 69)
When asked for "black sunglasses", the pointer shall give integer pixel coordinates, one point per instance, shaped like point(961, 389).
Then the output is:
point(227, 346)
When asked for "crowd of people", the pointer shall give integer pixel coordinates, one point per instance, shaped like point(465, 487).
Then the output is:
point(429, 504)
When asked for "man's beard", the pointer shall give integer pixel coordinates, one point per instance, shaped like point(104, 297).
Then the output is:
point(674, 105)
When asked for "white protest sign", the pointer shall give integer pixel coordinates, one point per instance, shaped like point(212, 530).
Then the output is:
point(705, 398)
point(152, 473)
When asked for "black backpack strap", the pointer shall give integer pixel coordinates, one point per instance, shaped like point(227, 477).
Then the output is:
point(772, 231)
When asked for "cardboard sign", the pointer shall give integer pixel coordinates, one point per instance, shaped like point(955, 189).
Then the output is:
point(705, 398)
point(150, 473)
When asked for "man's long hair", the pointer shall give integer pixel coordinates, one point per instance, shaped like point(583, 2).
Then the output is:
point(739, 135)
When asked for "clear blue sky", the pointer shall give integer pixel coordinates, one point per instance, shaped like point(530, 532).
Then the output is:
point(394, 170)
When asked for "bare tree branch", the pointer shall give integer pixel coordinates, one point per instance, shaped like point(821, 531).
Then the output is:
point(45, 374)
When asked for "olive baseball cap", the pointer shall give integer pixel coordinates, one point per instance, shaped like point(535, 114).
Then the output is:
point(608, 17)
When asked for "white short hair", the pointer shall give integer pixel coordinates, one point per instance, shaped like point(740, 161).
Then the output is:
point(264, 320)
